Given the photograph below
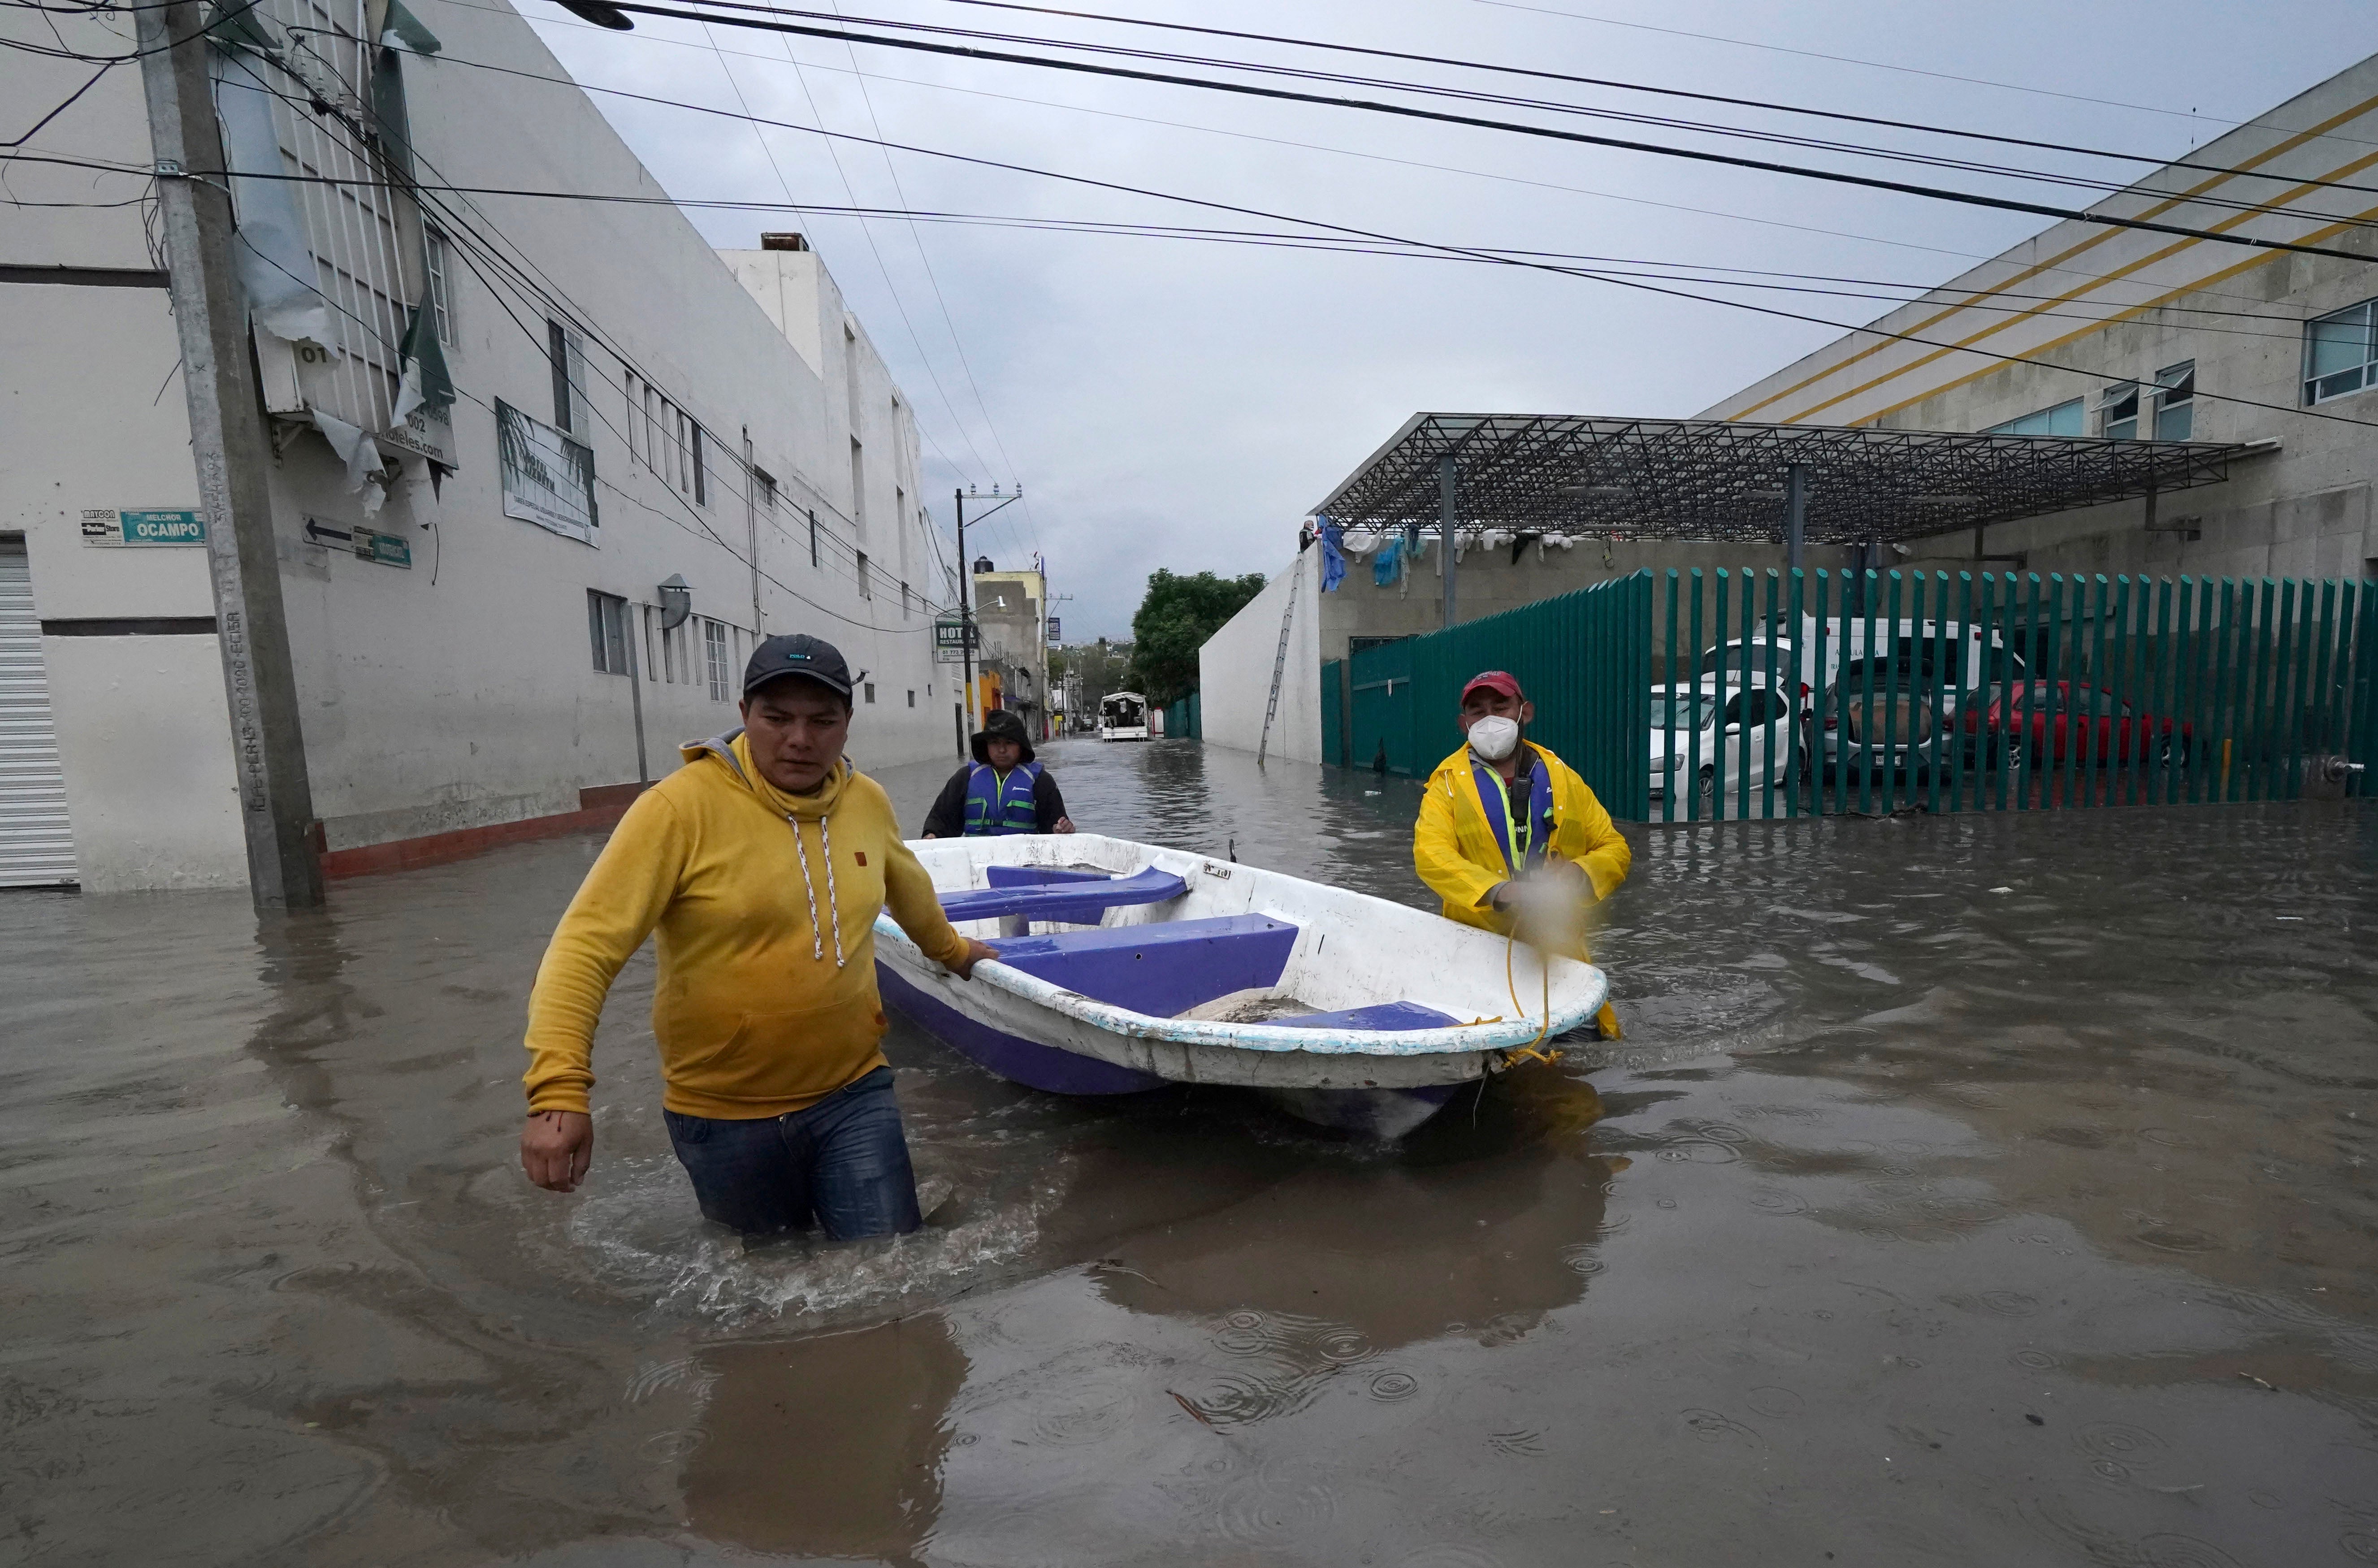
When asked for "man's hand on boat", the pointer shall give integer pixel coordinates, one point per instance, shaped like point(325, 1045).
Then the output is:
point(975, 954)
point(555, 1148)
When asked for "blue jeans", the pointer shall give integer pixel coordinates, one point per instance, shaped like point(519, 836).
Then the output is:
point(841, 1165)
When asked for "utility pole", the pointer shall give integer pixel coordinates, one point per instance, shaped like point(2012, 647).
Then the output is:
point(966, 584)
point(230, 454)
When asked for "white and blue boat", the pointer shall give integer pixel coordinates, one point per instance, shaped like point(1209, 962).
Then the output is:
point(1124, 968)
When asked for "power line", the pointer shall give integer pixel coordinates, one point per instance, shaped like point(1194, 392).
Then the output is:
point(1639, 86)
point(1440, 116)
point(965, 365)
point(1871, 65)
point(485, 252)
point(1551, 106)
point(1316, 146)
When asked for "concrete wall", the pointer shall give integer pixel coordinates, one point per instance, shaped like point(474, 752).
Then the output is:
point(1488, 581)
point(1234, 668)
point(461, 692)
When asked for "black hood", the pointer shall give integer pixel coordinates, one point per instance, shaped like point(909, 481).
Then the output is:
point(1002, 725)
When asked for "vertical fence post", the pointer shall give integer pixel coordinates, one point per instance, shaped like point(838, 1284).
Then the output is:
point(1774, 729)
point(1827, 695)
point(1802, 742)
point(1691, 773)
point(1668, 775)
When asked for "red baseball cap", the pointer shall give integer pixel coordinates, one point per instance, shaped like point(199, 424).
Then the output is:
point(1503, 681)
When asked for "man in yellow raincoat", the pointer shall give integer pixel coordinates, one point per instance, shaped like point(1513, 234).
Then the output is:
point(1503, 808)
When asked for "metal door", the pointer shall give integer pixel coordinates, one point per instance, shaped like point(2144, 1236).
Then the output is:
point(36, 843)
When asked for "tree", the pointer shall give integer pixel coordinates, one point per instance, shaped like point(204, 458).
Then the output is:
point(1174, 620)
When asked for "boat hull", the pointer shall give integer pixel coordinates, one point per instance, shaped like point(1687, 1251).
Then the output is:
point(1125, 966)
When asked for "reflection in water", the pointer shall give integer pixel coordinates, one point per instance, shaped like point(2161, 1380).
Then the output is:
point(827, 1447)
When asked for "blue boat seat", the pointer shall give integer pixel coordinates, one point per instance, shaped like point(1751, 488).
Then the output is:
point(1388, 1017)
point(1161, 969)
point(1066, 899)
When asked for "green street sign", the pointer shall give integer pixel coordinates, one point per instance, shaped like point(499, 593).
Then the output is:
point(127, 525)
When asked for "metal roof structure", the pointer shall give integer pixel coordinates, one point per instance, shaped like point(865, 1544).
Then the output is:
point(1723, 480)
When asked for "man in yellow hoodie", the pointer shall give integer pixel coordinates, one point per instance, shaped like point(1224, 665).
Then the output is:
point(763, 863)
point(1503, 808)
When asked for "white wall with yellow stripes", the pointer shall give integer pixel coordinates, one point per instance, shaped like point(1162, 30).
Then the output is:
point(2083, 310)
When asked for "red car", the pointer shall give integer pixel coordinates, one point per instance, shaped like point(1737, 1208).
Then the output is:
point(2021, 714)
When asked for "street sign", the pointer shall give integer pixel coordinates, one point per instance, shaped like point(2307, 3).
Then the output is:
point(951, 638)
point(110, 525)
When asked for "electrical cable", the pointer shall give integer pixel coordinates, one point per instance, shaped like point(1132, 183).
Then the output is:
point(715, 8)
point(2147, 158)
point(700, 526)
point(575, 26)
point(948, 321)
point(770, 153)
point(542, 286)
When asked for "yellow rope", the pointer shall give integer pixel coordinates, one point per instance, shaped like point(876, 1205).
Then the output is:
point(1531, 1051)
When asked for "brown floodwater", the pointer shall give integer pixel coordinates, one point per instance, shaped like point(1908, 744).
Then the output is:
point(1971, 1190)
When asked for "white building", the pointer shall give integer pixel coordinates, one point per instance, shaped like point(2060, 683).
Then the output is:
point(2135, 334)
point(463, 628)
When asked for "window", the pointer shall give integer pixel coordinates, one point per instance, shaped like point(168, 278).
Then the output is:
point(764, 488)
point(813, 542)
point(871, 691)
point(698, 449)
point(656, 423)
point(441, 301)
point(903, 601)
point(912, 699)
point(566, 351)
point(714, 649)
point(635, 387)
point(606, 632)
point(2340, 355)
point(858, 487)
point(2064, 419)
point(2117, 412)
point(866, 585)
point(652, 644)
point(2175, 401)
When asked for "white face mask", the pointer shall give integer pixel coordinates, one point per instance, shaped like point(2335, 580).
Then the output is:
point(1495, 737)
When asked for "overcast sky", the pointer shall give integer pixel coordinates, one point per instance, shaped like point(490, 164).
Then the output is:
point(1181, 405)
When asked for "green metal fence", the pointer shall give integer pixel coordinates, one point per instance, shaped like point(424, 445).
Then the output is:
point(1184, 718)
point(1793, 694)
point(1584, 658)
point(1704, 696)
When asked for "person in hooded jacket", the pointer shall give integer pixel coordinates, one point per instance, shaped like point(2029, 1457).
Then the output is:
point(1002, 790)
point(1504, 808)
point(762, 864)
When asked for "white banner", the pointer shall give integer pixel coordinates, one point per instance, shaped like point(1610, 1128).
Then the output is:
point(548, 478)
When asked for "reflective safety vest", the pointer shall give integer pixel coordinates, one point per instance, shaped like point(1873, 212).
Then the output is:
point(1001, 805)
point(1532, 834)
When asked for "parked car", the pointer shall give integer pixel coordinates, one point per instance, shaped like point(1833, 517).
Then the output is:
point(1888, 717)
point(2050, 720)
point(1817, 652)
point(1698, 729)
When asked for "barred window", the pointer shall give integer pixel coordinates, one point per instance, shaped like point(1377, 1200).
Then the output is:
point(714, 647)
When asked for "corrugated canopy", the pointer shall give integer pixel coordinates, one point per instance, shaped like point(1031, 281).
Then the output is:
point(1725, 479)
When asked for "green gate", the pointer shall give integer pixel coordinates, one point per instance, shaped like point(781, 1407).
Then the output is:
point(1583, 659)
point(1706, 696)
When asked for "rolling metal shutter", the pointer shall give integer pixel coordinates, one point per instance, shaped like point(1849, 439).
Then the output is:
point(36, 843)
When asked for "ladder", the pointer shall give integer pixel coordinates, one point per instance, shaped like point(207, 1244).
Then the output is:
point(1280, 662)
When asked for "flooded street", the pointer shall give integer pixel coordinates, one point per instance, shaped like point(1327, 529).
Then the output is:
point(1985, 1190)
